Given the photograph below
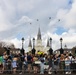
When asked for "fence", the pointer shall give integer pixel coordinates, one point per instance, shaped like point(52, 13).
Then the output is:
point(53, 70)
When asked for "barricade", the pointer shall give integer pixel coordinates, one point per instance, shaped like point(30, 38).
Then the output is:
point(72, 69)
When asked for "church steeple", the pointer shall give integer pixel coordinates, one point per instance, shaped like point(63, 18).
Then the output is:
point(30, 45)
point(39, 34)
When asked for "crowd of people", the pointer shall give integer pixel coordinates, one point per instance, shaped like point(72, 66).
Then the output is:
point(37, 63)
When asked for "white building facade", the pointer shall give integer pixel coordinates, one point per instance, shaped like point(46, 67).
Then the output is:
point(38, 44)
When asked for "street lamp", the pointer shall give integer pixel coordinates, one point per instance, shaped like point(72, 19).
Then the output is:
point(51, 50)
point(22, 51)
point(61, 50)
point(61, 41)
point(50, 42)
point(33, 42)
point(33, 50)
point(22, 42)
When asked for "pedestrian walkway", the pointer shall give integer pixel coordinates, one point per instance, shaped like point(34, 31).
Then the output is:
point(36, 74)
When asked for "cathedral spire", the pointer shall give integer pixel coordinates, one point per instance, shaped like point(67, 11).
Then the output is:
point(39, 34)
point(30, 45)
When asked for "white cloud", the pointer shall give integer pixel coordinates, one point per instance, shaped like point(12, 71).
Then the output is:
point(68, 16)
point(24, 19)
point(4, 23)
point(14, 41)
point(68, 38)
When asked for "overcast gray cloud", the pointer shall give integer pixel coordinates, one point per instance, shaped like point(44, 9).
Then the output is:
point(16, 16)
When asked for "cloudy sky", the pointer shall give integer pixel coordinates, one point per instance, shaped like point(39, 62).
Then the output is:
point(16, 16)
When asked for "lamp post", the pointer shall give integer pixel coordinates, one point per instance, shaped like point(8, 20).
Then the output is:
point(33, 42)
point(61, 41)
point(51, 50)
point(22, 51)
point(22, 42)
point(50, 42)
point(61, 50)
point(33, 50)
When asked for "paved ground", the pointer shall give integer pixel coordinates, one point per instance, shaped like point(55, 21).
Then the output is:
point(40, 74)
point(46, 73)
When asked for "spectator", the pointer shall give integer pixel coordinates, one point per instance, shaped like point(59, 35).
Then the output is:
point(35, 65)
point(29, 62)
point(9, 60)
point(42, 64)
point(5, 57)
point(56, 63)
point(62, 63)
point(67, 65)
point(14, 65)
point(25, 62)
point(50, 64)
point(1, 64)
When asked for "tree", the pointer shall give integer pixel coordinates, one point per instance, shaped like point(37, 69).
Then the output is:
point(12, 45)
point(7, 44)
point(2, 44)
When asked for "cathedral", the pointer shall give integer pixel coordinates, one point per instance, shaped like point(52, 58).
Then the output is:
point(38, 44)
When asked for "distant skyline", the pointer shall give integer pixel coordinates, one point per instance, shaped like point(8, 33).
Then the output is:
point(56, 19)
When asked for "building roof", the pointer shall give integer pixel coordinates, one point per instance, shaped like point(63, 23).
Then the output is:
point(67, 49)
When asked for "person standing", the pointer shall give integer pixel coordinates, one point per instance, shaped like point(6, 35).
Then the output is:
point(5, 57)
point(1, 64)
point(14, 64)
point(62, 63)
point(29, 62)
point(56, 64)
point(50, 64)
point(67, 65)
point(42, 64)
point(35, 65)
